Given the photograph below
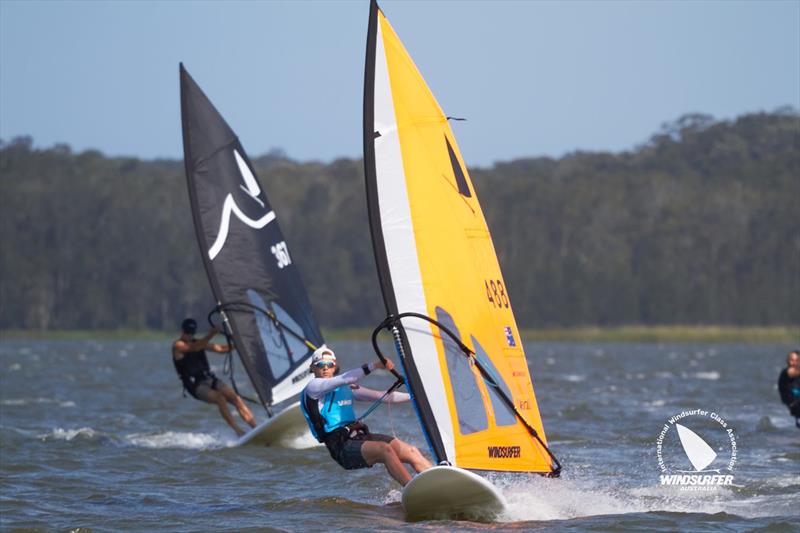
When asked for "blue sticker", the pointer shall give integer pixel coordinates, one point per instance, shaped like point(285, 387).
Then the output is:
point(510, 336)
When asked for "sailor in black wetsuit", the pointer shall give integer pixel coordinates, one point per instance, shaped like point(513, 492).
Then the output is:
point(789, 385)
point(191, 363)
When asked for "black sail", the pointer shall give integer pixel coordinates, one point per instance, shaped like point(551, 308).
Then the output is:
point(251, 270)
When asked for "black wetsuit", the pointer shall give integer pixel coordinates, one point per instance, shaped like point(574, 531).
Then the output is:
point(789, 389)
point(193, 368)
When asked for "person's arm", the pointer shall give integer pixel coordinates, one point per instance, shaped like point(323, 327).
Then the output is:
point(220, 348)
point(181, 347)
point(201, 344)
point(784, 387)
point(368, 395)
point(319, 387)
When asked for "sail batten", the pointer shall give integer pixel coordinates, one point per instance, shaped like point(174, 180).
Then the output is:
point(252, 274)
point(435, 257)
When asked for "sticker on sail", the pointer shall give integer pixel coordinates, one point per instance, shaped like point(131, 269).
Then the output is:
point(696, 451)
point(230, 207)
point(510, 336)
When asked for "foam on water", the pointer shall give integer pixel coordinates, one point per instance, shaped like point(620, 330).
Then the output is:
point(540, 499)
point(17, 402)
point(789, 480)
point(302, 441)
point(180, 440)
point(70, 434)
point(171, 439)
point(535, 498)
point(556, 499)
point(654, 403)
point(712, 375)
point(393, 496)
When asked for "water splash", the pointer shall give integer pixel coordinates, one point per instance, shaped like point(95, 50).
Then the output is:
point(179, 440)
point(535, 498)
point(712, 375)
point(70, 434)
point(301, 441)
point(393, 496)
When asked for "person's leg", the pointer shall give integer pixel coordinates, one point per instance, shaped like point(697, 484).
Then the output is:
point(410, 454)
point(381, 452)
point(236, 401)
point(217, 398)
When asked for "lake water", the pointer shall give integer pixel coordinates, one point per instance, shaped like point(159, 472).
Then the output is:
point(95, 434)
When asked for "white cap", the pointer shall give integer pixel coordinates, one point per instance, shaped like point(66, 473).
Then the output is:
point(323, 353)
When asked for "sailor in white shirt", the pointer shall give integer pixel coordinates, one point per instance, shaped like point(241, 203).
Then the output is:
point(327, 403)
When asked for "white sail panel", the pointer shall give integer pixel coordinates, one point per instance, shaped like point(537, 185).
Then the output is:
point(401, 248)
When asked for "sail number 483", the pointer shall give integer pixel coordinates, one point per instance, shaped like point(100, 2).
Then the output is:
point(496, 293)
point(281, 253)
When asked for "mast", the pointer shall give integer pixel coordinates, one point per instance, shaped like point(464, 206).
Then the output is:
point(421, 404)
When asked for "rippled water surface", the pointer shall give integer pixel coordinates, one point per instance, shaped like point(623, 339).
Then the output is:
point(96, 434)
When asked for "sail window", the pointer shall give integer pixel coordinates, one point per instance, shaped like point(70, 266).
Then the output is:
point(275, 344)
point(458, 172)
point(503, 414)
point(297, 348)
point(466, 393)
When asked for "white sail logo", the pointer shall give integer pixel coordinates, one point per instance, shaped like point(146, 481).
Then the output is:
point(229, 207)
point(700, 454)
point(697, 450)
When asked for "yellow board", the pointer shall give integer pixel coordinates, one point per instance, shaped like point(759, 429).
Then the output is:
point(459, 275)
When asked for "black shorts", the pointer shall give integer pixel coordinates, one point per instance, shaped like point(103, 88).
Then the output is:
point(202, 388)
point(346, 450)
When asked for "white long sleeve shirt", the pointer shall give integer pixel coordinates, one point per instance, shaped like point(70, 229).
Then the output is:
point(317, 388)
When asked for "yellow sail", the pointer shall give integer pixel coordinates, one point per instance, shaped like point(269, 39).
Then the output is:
point(436, 257)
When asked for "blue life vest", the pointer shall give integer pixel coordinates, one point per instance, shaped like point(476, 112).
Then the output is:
point(337, 411)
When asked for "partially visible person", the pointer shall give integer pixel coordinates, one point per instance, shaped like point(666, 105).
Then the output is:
point(789, 385)
point(327, 403)
point(191, 363)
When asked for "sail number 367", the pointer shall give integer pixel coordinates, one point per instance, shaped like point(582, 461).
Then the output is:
point(281, 253)
point(496, 293)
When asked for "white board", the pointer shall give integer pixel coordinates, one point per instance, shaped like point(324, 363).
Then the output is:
point(286, 425)
point(449, 492)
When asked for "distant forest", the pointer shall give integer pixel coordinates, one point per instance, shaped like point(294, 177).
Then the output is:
point(698, 225)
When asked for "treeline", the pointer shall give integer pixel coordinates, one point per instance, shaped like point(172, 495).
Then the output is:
point(698, 225)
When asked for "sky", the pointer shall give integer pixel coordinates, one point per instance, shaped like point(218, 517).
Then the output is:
point(531, 78)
